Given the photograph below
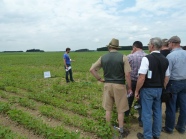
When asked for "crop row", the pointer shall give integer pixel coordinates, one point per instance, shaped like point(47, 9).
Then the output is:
point(6, 133)
point(100, 128)
point(36, 124)
point(87, 124)
point(58, 100)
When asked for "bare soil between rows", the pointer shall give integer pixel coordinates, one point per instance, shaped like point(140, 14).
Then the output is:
point(133, 127)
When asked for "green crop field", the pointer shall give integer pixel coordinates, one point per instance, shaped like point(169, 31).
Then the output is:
point(34, 102)
point(34, 107)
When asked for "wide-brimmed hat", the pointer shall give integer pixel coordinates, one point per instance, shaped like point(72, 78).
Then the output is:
point(114, 43)
point(175, 39)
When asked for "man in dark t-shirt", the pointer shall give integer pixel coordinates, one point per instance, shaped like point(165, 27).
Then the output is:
point(165, 48)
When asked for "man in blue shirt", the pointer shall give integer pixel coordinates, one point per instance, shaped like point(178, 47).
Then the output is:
point(177, 85)
point(67, 65)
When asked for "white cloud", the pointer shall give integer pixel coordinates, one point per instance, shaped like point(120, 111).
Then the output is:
point(53, 25)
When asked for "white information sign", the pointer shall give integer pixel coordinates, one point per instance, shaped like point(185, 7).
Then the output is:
point(47, 74)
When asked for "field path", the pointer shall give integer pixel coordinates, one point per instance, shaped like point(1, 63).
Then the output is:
point(134, 129)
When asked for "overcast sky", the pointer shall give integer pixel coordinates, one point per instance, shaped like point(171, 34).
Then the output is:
point(53, 25)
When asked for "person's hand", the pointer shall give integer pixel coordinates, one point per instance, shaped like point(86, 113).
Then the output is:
point(101, 80)
point(129, 92)
point(136, 95)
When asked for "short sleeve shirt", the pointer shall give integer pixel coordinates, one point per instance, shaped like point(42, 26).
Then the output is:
point(67, 58)
point(145, 66)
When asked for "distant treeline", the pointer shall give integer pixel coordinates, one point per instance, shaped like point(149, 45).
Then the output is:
point(34, 50)
point(87, 50)
point(84, 50)
point(122, 48)
point(106, 49)
point(184, 47)
point(11, 51)
point(31, 50)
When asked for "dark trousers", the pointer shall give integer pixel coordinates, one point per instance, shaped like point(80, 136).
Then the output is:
point(69, 72)
point(131, 99)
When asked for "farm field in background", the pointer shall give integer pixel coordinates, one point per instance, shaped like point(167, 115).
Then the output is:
point(34, 107)
point(49, 107)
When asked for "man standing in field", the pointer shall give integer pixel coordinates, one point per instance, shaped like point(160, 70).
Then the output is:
point(153, 76)
point(177, 85)
point(116, 70)
point(67, 65)
point(135, 61)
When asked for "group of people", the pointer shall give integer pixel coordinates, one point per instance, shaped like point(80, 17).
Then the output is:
point(143, 76)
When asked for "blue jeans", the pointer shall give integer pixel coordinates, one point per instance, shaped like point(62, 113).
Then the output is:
point(178, 88)
point(151, 111)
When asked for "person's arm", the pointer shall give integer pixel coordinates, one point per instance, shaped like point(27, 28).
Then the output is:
point(94, 70)
point(127, 70)
point(64, 60)
point(166, 80)
point(130, 59)
point(171, 63)
point(140, 82)
point(72, 60)
point(128, 80)
point(142, 75)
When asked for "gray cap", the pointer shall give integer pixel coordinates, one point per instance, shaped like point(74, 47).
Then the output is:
point(175, 39)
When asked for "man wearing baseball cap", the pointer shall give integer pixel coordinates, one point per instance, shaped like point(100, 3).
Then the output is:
point(177, 85)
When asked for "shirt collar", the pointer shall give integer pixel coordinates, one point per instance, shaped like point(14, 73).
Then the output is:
point(176, 49)
point(156, 51)
point(113, 50)
point(139, 51)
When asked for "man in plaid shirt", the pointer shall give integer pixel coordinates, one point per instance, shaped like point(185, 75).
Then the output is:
point(135, 61)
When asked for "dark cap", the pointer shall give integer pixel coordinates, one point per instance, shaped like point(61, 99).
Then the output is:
point(174, 39)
